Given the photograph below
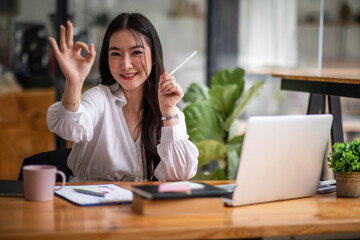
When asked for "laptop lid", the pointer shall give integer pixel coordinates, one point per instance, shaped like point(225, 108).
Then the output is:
point(282, 158)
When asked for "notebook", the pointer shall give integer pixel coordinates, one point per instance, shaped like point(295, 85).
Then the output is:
point(112, 194)
point(282, 158)
point(196, 190)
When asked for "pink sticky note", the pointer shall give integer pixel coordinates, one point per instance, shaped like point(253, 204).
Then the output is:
point(164, 187)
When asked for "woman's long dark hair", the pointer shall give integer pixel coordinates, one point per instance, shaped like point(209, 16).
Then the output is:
point(151, 120)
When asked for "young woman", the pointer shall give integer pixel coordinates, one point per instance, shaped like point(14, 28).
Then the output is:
point(127, 128)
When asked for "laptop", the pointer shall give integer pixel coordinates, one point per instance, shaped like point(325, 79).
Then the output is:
point(281, 158)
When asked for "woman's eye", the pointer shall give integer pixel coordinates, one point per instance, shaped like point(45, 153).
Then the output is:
point(114, 54)
point(137, 52)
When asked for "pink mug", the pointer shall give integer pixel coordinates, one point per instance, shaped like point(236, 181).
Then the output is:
point(39, 182)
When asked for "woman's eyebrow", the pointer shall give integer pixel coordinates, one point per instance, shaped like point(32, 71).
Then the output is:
point(137, 46)
point(114, 48)
point(131, 48)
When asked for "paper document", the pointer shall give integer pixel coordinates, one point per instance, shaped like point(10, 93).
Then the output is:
point(112, 194)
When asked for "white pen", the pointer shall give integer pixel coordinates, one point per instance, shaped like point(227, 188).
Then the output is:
point(177, 68)
point(85, 191)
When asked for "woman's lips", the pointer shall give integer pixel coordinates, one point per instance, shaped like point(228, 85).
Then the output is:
point(128, 76)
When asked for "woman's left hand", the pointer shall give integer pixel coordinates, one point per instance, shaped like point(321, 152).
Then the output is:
point(169, 93)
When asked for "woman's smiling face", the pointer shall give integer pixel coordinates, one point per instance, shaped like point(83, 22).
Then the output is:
point(129, 60)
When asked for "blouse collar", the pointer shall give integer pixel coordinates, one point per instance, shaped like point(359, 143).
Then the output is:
point(118, 94)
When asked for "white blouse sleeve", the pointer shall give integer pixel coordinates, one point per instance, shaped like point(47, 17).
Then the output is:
point(177, 153)
point(73, 126)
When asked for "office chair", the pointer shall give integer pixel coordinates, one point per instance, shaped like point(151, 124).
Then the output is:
point(56, 158)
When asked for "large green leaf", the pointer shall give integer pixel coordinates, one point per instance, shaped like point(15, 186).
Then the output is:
point(202, 122)
point(196, 91)
point(235, 144)
point(230, 76)
point(244, 101)
point(222, 77)
point(224, 98)
point(210, 150)
point(233, 161)
point(233, 129)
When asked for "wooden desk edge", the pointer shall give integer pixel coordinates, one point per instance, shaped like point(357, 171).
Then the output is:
point(195, 232)
point(334, 79)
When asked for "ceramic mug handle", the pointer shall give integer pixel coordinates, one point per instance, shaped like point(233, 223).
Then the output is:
point(62, 174)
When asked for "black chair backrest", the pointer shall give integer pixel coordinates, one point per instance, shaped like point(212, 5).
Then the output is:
point(56, 158)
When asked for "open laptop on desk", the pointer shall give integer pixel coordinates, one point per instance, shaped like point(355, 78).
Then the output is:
point(282, 158)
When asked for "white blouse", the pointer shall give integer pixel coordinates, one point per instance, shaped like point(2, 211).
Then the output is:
point(103, 149)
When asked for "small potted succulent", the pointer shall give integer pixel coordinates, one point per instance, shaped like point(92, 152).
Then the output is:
point(345, 162)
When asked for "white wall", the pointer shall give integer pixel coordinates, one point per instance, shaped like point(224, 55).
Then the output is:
point(340, 41)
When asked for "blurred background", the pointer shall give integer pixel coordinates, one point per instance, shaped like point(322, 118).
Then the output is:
point(261, 36)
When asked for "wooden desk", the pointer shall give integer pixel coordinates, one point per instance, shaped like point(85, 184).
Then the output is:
point(59, 219)
point(333, 84)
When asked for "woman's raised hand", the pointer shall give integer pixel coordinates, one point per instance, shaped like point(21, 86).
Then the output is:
point(74, 66)
point(169, 94)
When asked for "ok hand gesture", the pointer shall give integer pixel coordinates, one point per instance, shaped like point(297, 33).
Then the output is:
point(74, 66)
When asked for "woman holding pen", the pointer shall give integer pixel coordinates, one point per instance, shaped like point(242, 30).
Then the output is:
point(128, 127)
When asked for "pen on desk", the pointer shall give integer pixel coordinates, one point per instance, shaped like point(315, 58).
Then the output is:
point(98, 194)
point(187, 59)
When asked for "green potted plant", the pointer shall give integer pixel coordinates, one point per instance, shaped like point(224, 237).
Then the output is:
point(345, 162)
point(212, 120)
